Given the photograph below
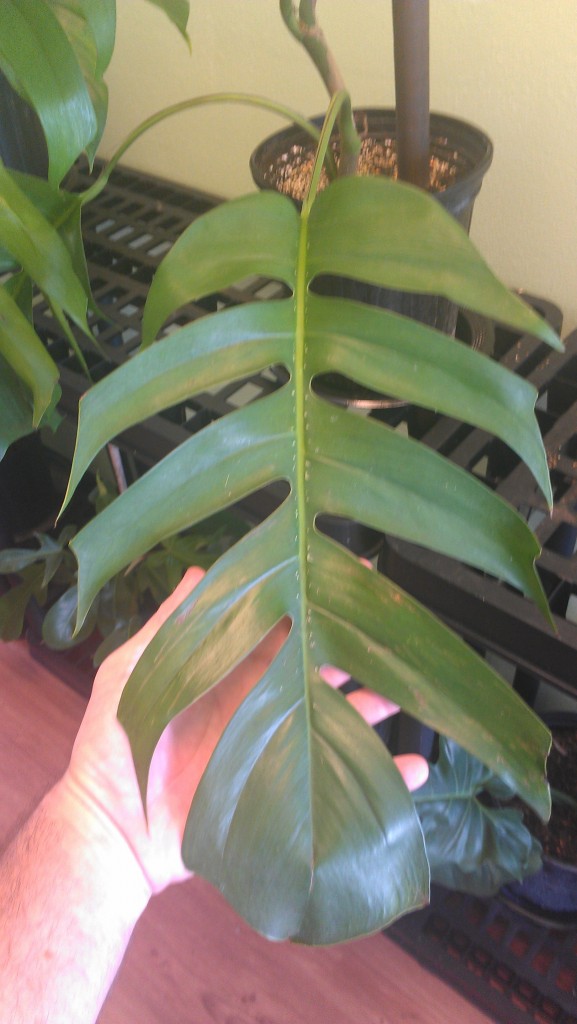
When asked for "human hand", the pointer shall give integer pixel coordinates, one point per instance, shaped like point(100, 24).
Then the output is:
point(101, 769)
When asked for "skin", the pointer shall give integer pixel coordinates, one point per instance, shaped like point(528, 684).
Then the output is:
point(81, 871)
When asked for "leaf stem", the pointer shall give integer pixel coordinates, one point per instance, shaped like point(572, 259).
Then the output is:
point(307, 31)
point(190, 104)
point(335, 107)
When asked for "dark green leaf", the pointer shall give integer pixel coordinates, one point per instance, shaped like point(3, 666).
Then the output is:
point(472, 846)
point(64, 211)
point(40, 63)
point(16, 412)
point(14, 603)
point(37, 246)
point(281, 847)
point(58, 625)
point(22, 349)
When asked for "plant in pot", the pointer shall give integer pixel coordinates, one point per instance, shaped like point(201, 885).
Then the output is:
point(441, 154)
point(550, 895)
point(302, 819)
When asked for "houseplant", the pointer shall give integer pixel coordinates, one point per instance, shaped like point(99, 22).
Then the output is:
point(550, 896)
point(42, 595)
point(301, 800)
point(53, 57)
point(441, 154)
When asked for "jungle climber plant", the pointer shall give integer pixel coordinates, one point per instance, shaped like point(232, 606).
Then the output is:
point(302, 819)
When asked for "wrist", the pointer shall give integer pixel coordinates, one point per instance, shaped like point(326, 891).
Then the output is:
point(102, 847)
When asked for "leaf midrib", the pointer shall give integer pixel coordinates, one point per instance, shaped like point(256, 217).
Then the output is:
point(300, 384)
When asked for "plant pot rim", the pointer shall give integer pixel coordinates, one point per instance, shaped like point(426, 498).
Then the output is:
point(448, 133)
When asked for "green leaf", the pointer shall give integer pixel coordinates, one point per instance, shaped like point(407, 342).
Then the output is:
point(64, 212)
point(22, 349)
point(471, 845)
point(256, 796)
point(99, 19)
point(246, 340)
point(269, 229)
point(159, 503)
point(32, 240)
point(42, 66)
point(14, 603)
point(300, 802)
point(58, 625)
point(394, 355)
point(425, 250)
point(50, 551)
point(177, 10)
point(16, 410)
point(79, 30)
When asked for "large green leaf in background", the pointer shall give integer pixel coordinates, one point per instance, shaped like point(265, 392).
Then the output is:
point(54, 259)
point(301, 818)
point(41, 65)
point(473, 843)
point(54, 54)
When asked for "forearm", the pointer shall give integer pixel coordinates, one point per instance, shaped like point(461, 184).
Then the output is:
point(71, 892)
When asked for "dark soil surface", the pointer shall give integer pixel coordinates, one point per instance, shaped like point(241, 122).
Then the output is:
point(559, 837)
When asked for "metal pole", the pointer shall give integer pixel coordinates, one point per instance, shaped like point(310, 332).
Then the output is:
point(411, 41)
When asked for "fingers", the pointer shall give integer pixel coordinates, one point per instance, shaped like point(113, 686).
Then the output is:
point(335, 677)
point(372, 706)
point(413, 768)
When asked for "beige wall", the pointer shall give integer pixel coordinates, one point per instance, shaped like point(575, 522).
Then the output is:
point(508, 65)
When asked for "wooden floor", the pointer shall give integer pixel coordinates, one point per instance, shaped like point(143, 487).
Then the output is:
point(192, 960)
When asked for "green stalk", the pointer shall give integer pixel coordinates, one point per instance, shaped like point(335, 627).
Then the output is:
point(199, 101)
point(309, 34)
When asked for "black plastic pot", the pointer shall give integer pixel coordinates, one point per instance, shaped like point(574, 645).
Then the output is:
point(549, 896)
point(28, 500)
point(466, 148)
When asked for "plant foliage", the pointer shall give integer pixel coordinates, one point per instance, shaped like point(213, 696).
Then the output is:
point(301, 818)
point(47, 575)
point(54, 54)
point(475, 843)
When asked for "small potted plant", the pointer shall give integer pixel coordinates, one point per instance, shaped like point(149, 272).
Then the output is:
point(444, 155)
point(301, 802)
point(550, 895)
